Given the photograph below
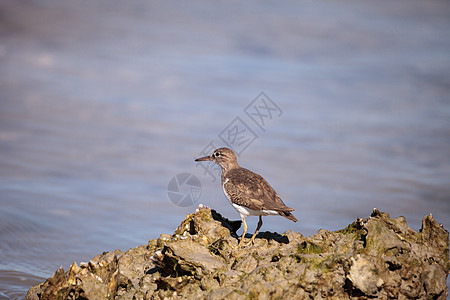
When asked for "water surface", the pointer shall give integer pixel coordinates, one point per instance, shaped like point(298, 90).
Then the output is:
point(103, 102)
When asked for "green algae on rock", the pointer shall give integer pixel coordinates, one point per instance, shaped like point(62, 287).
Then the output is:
point(375, 257)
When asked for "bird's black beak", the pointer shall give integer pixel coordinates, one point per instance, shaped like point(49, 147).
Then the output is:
point(205, 158)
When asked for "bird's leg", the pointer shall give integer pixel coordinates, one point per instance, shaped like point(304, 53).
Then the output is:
point(245, 230)
point(256, 232)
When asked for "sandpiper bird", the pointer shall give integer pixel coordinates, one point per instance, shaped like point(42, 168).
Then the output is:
point(248, 192)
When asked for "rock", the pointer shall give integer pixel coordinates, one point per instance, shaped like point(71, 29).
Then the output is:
point(365, 275)
point(375, 257)
point(190, 258)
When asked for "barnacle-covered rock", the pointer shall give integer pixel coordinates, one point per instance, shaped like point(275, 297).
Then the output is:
point(375, 257)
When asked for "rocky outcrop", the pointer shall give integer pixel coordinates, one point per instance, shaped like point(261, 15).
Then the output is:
point(376, 257)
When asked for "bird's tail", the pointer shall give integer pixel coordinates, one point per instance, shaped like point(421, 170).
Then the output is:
point(288, 215)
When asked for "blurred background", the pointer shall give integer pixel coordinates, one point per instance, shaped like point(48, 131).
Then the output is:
point(103, 102)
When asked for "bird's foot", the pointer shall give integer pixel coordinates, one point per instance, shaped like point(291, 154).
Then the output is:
point(241, 243)
point(251, 243)
point(236, 246)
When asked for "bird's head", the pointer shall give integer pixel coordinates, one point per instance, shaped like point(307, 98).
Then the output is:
point(224, 157)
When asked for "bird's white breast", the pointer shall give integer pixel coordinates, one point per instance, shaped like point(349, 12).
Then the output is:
point(245, 211)
point(225, 191)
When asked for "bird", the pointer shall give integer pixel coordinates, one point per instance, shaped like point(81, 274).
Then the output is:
point(249, 193)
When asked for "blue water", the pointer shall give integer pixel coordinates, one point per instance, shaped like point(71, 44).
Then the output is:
point(102, 103)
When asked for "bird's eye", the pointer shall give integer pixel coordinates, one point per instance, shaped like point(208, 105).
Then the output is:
point(217, 154)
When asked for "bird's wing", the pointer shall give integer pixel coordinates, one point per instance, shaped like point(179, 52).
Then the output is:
point(251, 190)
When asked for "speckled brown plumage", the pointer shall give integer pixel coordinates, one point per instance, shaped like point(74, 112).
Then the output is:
point(251, 190)
point(248, 192)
